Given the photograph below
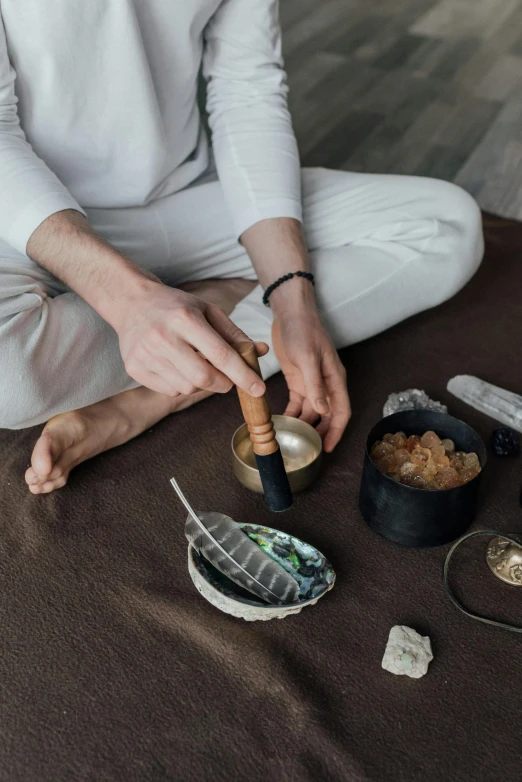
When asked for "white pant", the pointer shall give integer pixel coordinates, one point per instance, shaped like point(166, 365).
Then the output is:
point(382, 248)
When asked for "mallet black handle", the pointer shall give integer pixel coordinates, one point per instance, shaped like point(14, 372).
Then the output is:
point(258, 418)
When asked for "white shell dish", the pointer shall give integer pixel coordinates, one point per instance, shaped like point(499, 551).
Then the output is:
point(305, 563)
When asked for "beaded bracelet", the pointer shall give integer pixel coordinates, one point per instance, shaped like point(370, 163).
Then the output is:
point(284, 278)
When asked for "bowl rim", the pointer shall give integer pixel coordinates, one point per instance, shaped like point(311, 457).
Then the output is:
point(306, 425)
point(404, 486)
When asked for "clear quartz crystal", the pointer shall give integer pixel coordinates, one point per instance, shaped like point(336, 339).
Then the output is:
point(502, 405)
point(411, 399)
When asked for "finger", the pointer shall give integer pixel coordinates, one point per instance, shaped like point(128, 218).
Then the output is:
point(308, 414)
point(313, 383)
point(341, 413)
point(261, 349)
point(330, 430)
point(194, 371)
point(329, 436)
point(323, 426)
point(216, 345)
point(333, 425)
point(294, 407)
point(155, 382)
point(333, 437)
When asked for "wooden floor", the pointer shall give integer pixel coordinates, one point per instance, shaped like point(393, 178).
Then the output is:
point(430, 87)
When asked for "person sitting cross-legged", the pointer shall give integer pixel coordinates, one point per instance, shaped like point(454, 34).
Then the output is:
point(133, 258)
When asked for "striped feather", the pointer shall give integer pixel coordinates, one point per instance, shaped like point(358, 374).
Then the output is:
point(224, 544)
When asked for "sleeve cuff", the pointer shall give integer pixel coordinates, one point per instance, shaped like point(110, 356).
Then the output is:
point(35, 213)
point(266, 211)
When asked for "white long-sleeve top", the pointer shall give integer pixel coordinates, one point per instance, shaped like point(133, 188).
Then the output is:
point(98, 107)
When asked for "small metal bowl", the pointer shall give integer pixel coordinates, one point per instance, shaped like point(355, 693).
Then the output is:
point(301, 448)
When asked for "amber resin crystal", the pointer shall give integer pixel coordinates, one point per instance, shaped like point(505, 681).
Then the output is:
point(424, 461)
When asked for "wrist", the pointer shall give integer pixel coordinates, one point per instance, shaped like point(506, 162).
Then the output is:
point(128, 287)
point(293, 296)
point(67, 246)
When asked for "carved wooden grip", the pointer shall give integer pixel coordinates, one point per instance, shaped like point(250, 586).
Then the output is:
point(256, 411)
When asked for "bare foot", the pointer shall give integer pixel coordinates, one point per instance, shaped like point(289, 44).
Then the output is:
point(224, 293)
point(71, 438)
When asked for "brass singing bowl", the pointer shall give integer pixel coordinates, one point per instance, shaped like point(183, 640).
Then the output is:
point(300, 446)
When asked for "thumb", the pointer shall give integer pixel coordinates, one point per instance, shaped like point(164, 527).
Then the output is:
point(313, 385)
point(220, 321)
point(262, 348)
point(231, 333)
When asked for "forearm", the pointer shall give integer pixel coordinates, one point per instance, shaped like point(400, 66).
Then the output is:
point(170, 341)
point(68, 247)
point(277, 247)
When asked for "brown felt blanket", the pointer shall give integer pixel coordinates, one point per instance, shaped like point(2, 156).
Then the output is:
point(113, 667)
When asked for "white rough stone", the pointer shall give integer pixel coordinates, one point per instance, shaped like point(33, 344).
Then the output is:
point(407, 653)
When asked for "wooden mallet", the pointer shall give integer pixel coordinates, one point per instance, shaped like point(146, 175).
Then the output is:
point(258, 418)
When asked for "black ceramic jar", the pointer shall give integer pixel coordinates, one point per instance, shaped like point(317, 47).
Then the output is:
point(420, 517)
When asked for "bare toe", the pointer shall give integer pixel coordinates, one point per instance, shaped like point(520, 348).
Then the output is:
point(31, 476)
point(49, 462)
point(42, 458)
point(48, 486)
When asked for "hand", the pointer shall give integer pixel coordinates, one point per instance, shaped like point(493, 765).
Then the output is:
point(174, 343)
point(315, 376)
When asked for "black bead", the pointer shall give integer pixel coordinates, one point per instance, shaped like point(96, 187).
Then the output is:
point(505, 442)
point(271, 288)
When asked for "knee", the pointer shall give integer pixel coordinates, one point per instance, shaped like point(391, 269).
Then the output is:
point(458, 243)
point(21, 401)
point(462, 225)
